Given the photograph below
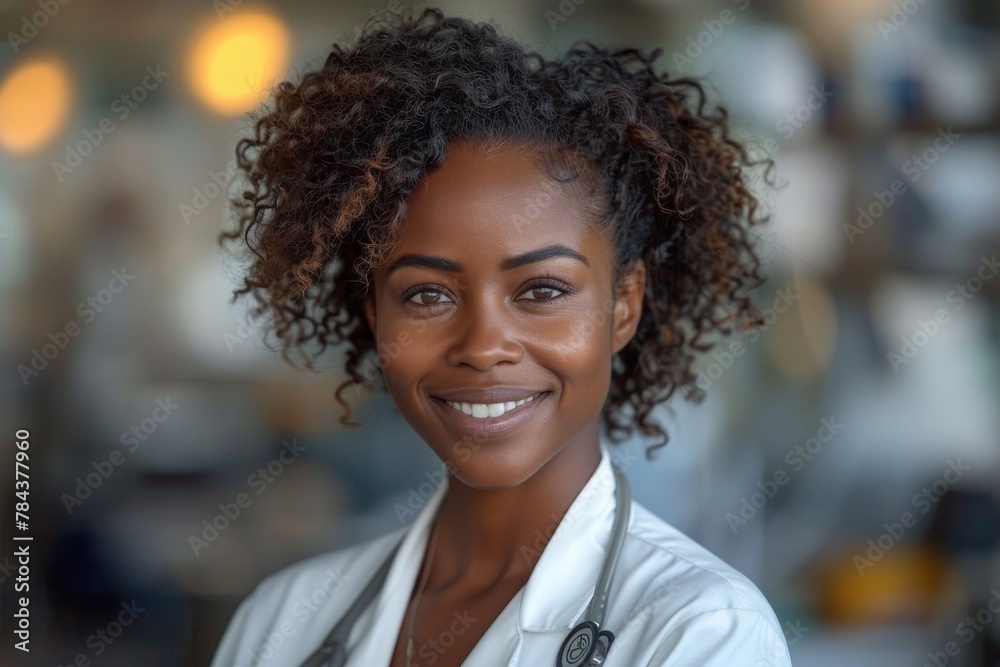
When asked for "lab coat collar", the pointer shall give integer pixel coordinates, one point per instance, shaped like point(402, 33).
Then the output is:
point(565, 576)
point(566, 569)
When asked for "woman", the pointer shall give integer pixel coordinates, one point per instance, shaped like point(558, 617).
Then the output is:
point(531, 248)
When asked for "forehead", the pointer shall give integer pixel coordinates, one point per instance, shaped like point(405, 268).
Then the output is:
point(500, 201)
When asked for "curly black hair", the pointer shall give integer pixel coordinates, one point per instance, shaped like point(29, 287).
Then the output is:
point(331, 162)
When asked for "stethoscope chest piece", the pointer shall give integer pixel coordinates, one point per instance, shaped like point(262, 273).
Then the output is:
point(579, 645)
point(587, 644)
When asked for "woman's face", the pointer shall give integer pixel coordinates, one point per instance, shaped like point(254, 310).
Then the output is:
point(498, 290)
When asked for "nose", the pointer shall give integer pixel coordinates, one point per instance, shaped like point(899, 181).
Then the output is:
point(484, 337)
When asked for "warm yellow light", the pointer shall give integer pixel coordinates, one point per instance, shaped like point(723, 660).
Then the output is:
point(236, 59)
point(34, 104)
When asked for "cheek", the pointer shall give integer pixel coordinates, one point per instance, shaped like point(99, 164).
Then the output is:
point(580, 353)
point(402, 355)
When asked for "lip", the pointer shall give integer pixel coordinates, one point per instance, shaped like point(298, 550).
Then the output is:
point(506, 422)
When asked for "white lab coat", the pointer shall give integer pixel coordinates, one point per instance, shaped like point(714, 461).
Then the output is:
point(672, 603)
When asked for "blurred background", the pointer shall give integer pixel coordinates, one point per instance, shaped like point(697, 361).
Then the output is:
point(847, 457)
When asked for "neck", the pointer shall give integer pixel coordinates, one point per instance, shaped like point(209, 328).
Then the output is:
point(495, 535)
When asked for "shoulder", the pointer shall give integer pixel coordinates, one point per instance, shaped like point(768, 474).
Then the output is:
point(688, 570)
point(301, 599)
point(683, 596)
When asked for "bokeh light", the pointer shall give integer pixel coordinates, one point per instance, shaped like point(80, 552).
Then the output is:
point(35, 101)
point(234, 61)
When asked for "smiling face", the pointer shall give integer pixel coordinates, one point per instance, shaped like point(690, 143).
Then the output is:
point(485, 299)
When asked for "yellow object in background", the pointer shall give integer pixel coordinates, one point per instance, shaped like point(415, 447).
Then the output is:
point(35, 100)
point(235, 60)
point(895, 585)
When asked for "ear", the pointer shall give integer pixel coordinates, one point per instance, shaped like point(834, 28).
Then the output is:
point(628, 306)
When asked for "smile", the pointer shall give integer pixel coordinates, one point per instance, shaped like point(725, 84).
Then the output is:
point(487, 410)
point(510, 415)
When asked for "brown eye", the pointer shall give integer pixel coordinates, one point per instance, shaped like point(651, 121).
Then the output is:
point(427, 297)
point(543, 293)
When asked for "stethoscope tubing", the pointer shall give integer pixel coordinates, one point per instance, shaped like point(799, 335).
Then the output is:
point(587, 644)
point(623, 516)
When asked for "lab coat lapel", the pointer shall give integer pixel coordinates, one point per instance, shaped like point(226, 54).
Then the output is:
point(564, 578)
point(377, 644)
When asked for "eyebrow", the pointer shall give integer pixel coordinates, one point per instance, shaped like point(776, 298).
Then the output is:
point(530, 257)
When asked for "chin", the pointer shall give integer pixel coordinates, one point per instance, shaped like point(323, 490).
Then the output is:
point(494, 465)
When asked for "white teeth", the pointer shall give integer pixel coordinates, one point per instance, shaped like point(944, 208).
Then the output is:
point(484, 411)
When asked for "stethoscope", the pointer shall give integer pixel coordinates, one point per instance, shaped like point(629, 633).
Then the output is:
point(586, 645)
